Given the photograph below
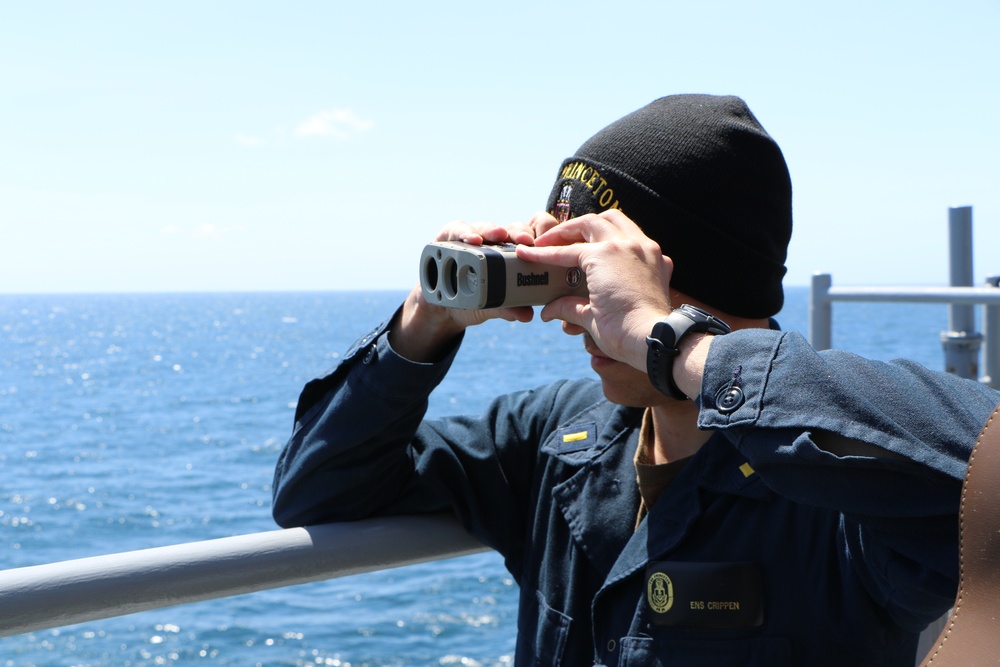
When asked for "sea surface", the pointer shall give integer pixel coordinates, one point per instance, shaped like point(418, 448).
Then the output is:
point(135, 421)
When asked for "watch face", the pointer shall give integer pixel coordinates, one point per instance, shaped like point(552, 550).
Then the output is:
point(704, 321)
point(696, 314)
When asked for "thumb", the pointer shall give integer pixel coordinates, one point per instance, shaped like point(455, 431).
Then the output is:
point(572, 309)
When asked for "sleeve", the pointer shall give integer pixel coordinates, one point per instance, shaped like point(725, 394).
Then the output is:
point(347, 421)
point(898, 490)
point(361, 447)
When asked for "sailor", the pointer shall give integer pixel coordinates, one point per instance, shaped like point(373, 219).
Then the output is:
point(722, 494)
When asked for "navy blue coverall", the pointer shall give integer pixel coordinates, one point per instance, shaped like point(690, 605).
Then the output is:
point(853, 554)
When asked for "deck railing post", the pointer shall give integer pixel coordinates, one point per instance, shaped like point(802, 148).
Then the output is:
point(820, 312)
point(991, 336)
point(961, 342)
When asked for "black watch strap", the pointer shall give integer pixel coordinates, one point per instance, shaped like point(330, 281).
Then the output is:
point(665, 338)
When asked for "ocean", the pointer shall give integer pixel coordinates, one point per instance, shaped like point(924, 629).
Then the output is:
point(140, 420)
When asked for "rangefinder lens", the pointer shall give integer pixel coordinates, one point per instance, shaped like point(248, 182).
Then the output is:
point(468, 280)
point(431, 272)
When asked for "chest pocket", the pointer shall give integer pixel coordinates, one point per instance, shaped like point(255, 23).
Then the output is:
point(648, 652)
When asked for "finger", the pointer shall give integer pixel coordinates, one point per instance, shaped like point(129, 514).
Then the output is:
point(521, 232)
point(590, 228)
point(519, 314)
point(454, 231)
point(587, 229)
point(542, 222)
point(558, 255)
point(571, 231)
point(573, 310)
point(621, 221)
point(492, 233)
point(511, 314)
point(475, 233)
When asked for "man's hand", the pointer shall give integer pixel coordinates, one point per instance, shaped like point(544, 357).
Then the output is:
point(628, 279)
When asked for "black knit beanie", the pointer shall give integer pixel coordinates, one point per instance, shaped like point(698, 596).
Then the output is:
point(702, 178)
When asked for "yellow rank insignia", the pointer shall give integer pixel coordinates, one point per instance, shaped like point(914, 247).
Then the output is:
point(575, 438)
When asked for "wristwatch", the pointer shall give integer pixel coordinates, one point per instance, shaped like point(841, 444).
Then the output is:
point(663, 344)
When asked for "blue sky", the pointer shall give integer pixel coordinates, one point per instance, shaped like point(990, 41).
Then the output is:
point(318, 145)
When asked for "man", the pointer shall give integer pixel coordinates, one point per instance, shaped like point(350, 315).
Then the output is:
point(801, 510)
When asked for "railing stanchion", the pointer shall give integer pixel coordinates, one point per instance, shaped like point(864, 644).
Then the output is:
point(991, 336)
point(961, 342)
point(820, 312)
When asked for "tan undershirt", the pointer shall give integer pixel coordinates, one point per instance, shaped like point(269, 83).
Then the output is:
point(653, 479)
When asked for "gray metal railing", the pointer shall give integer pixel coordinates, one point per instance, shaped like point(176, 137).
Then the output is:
point(961, 343)
point(87, 589)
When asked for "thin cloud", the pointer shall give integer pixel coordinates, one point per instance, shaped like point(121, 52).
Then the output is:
point(247, 140)
point(338, 124)
point(203, 231)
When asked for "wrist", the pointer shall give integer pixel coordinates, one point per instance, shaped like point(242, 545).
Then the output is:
point(423, 332)
point(689, 366)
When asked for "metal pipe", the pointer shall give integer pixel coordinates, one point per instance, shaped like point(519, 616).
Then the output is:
point(820, 312)
point(961, 317)
point(57, 594)
point(961, 342)
point(991, 336)
point(964, 295)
